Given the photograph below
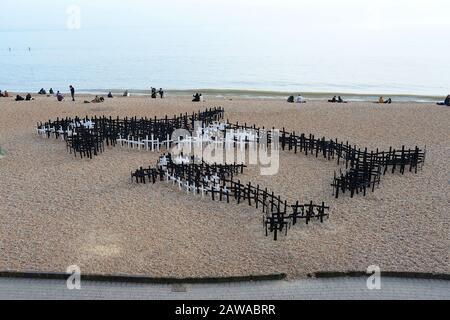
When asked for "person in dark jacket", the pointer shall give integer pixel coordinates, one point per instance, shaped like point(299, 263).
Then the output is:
point(72, 92)
point(19, 98)
point(446, 102)
point(28, 97)
point(153, 93)
point(340, 100)
point(161, 93)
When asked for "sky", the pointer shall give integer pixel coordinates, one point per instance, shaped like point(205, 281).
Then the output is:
point(358, 24)
point(355, 17)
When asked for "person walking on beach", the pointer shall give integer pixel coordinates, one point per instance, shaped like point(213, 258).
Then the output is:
point(161, 93)
point(72, 92)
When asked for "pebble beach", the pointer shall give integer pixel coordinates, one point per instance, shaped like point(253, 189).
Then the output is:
point(57, 210)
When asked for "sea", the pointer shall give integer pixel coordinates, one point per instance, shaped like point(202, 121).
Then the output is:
point(96, 61)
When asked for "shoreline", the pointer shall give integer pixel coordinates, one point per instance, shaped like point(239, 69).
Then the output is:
point(273, 95)
point(228, 94)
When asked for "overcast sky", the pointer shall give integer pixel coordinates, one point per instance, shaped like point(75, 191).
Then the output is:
point(352, 16)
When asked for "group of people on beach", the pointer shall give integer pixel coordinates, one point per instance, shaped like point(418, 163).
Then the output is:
point(28, 97)
point(59, 96)
point(298, 99)
point(43, 92)
point(335, 99)
point(155, 93)
point(338, 100)
point(197, 97)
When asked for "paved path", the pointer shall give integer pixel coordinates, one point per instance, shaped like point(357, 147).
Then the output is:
point(336, 288)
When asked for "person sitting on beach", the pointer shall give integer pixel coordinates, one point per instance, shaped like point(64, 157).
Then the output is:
point(161, 93)
point(28, 97)
point(126, 94)
point(42, 91)
point(290, 99)
point(98, 99)
point(5, 94)
point(51, 91)
point(19, 98)
point(1, 94)
point(59, 96)
point(381, 101)
point(196, 97)
point(446, 102)
point(333, 100)
point(300, 99)
point(340, 100)
point(110, 95)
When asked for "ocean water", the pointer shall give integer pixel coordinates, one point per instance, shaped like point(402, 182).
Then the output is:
point(183, 61)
